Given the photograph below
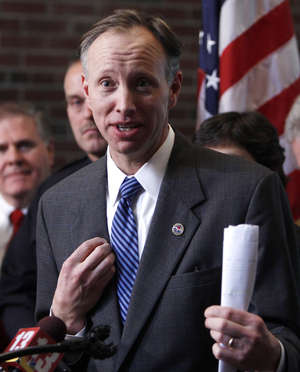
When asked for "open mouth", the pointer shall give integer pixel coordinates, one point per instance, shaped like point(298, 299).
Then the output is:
point(124, 128)
point(127, 127)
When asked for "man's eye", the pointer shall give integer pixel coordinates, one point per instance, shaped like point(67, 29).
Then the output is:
point(76, 103)
point(143, 84)
point(107, 83)
point(3, 148)
point(25, 146)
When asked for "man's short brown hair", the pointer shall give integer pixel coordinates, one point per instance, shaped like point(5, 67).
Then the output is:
point(122, 20)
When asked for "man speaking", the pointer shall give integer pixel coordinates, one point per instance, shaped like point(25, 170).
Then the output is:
point(134, 240)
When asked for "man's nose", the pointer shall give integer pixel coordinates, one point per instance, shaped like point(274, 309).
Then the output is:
point(13, 155)
point(125, 104)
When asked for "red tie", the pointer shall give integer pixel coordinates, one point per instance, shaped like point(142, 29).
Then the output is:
point(16, 218)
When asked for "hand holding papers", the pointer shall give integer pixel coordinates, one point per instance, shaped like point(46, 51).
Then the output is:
point(240, 248)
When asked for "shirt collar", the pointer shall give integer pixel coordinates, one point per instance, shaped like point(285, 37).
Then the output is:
point(150, 175)
point(7, 208)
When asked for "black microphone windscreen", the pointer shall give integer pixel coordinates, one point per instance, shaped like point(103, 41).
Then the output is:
point(54, 327)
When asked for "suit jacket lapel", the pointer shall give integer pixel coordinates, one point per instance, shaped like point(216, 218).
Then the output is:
point(163, 250)
point(90, 221)
point(89, 217)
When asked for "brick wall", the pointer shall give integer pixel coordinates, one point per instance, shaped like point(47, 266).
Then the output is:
point(38, 38)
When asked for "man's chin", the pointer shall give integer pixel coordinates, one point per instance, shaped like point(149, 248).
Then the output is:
point(19, 190)
point(95, 145)
point(92, 134)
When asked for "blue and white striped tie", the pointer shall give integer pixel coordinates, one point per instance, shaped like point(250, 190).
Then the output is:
point(124, 239)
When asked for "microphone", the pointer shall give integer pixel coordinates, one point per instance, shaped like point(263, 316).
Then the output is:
point(49, 352)
point(49, 330)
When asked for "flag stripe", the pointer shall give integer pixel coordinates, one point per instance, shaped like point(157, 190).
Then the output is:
point(266, 35)
point(277, 109)
point(274, 69)
point(241, 16)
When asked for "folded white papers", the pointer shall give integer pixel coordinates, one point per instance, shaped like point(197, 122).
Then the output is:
point(240, 246)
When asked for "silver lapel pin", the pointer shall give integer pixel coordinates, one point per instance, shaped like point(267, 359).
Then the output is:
point(177, 229)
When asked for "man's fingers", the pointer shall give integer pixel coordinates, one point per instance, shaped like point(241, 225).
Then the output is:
point(103, 272)
point(236, 316)
point(88, 264)
point(227, 354)
point(227, 335)
point(96, 256)
point(86, 248)
point(225, 327)
point(224, 340)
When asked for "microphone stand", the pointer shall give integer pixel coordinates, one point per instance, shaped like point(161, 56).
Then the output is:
point(93, 345)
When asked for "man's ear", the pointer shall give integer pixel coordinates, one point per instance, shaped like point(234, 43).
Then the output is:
point(86, 90)
point(175, 89)
point(85, 85)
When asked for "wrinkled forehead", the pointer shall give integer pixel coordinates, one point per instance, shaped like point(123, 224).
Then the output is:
point(18, 126)
point(17, 119)
point(135, 44)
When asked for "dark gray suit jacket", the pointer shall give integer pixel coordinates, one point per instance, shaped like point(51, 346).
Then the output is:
point(178, 276)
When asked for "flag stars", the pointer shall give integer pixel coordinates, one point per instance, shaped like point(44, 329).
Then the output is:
point(212, 80)
point(209, 44)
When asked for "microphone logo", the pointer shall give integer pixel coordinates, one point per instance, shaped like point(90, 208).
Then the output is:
point(21, 340)
point(38, 362)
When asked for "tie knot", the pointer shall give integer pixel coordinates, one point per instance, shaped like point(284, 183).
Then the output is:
point(16, 218)
point(130, 187)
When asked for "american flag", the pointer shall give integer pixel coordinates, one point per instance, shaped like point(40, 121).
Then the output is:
point(249, 60)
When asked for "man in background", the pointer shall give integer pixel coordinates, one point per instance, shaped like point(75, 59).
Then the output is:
point(80, 117)
point(18, 278)
point(246, 134)
point(292, 134)
point(26, 158)
point(250, 135)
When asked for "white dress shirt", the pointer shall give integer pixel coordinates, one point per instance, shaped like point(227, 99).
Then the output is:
point(6, 227)
point(150, 176)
